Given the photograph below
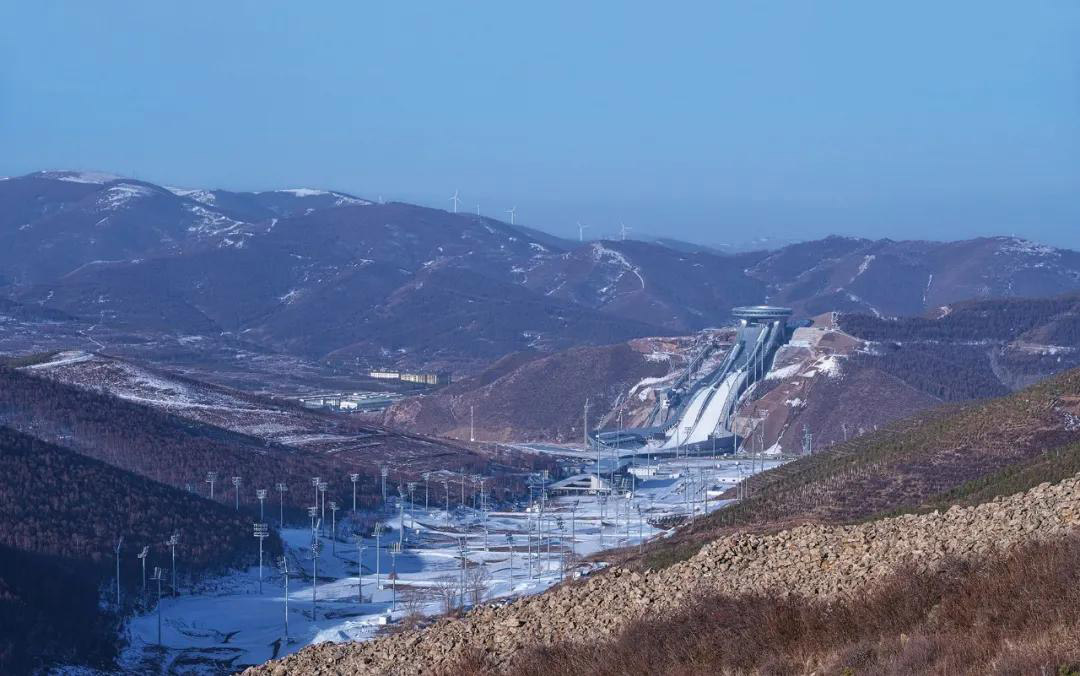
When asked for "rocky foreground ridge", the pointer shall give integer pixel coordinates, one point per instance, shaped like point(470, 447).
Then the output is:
point(810, 560)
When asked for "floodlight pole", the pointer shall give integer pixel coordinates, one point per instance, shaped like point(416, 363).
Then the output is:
point(333, 526)
point(641, 541)
point(354, 478)
point(315, 481)
point(315, 547)
point(359, 568)
point(157, 576)
point(236, 485)
point(322, 493)
point(211, 477)
point(395, 549)
point(384, 471)
point(573, 529)
point(284, 563)
point(142, 557)
point(401, 518)
point(260, 494)
point(119, 544)
point(378, 554)
point(426, 475)
point(510, 545)
point(281, 489)
point(174, 540)
point(261, 532)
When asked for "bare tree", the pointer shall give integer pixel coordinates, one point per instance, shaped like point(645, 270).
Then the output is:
point(446, 591)
point(477, 583)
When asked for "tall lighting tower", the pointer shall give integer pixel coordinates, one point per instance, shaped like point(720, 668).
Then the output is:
point(384, 472)
point(395, 550)
point(211, 478)
point(315, 481)
point(322, 495)
point(142, 557)
point(378, 552)
point(333, 526)
point(281, 489)
point(313, 512)
point(510, 546)
point(158, 575)
point(316, 547)
point(354, 478)
point(359, 567)
point(260, 495)
point(236, 481)
point(119, 544)
point(426, 476)
point(283, 564)
point(173, 540)
point(262, 531)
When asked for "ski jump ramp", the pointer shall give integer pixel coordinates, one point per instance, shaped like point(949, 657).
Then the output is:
point(708, 407)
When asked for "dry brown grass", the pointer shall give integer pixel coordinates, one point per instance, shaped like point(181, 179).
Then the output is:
point(1018, 614)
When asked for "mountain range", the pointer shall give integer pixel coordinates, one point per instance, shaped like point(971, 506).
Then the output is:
point(336, 278)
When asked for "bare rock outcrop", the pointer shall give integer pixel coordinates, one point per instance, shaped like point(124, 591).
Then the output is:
point(810, 560)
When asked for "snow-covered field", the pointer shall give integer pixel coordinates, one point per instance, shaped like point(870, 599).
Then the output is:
point(227, 623)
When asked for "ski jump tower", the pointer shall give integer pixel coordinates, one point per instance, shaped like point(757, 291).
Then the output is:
point(704, 412)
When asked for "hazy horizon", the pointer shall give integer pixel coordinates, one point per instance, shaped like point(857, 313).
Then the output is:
point(702, 123)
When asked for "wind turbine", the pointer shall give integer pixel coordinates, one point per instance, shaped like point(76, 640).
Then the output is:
point(623, 230)
point(455, 200)
point(512, 211)
point(581, 231)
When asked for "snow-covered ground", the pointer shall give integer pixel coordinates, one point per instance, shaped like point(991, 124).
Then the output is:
point(227, 623)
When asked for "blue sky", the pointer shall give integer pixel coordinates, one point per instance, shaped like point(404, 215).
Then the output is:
point(709, 121)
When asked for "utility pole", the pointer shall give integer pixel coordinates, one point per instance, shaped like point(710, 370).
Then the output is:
point(354, 478)
point(510, 546)
point(472, 425)
point(463, 550)
point(316, 547)
point(236, 485)
point(142, 557)
point(260, 495)
point(359, 567)
point(641, 540)
point(119, 544)
point(158, 574)
point(283, 563)
point(378, 550)
point(174, 540)
point(281, 489)
point(211, 477)
point(262, 531)
point(573, 529)
point(462, 486)
point(395, 549)
point(401, 516)
point(322, 494)
point(333, 527)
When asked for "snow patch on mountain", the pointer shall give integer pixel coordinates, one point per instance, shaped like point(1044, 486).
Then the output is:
point(93, 177)
point(209, 222)
point(118, 196)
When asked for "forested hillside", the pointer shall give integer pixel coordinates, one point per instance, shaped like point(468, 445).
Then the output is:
point(61, 515)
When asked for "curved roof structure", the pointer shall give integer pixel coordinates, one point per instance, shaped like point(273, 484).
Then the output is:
point(762, 313)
